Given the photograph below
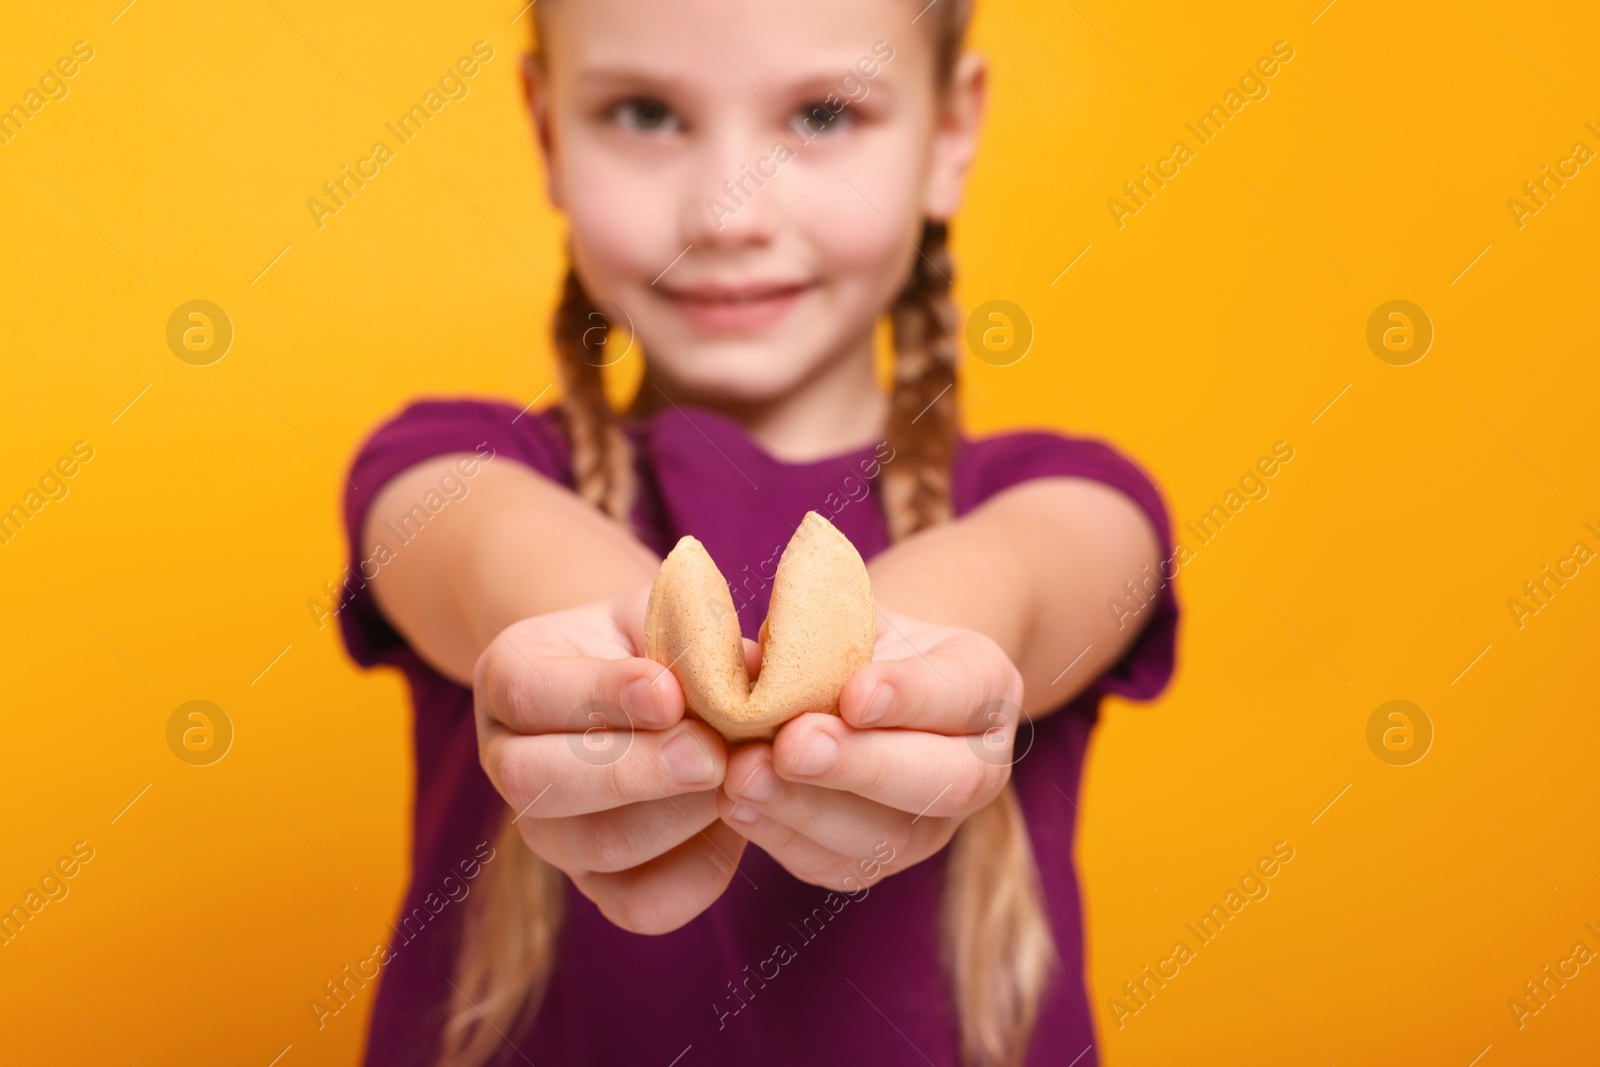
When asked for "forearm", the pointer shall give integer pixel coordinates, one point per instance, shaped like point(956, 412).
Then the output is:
point(1033, 568)
point(516, 545)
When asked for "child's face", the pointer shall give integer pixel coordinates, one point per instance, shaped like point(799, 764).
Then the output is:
point(660, 119)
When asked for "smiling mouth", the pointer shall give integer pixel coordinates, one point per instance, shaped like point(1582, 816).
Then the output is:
point(735, 294)
point(745, 308)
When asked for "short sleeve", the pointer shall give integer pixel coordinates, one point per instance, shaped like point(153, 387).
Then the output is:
point(494, 432)
point(991, 465)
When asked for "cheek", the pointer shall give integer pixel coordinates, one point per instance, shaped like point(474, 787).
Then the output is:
point(622, 221)
point(862, 219)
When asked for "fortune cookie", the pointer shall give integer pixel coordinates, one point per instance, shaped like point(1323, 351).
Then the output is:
point(819, 630)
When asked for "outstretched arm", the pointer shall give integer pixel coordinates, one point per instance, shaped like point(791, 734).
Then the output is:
point(516, 546)
point(1032, 568)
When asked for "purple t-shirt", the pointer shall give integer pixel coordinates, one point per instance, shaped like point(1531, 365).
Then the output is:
point(857, 983)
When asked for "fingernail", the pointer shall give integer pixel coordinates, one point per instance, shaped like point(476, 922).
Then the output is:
point(641, 701)
point(743, 813)
point(878, 705)
point(762, 786)
point(687, 760)
point(818, 756)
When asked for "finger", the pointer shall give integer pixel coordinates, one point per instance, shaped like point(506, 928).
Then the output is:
point(923, 773)
point(844, 823)
point(534, 694)
point(663, 894)
point(627, 613)
point(964, 684)
point(615, 840)
point(556, 776)
point(798, 854)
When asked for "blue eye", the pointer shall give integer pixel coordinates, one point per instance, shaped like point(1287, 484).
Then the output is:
point(646, 115)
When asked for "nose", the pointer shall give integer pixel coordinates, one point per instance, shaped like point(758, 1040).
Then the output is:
point(736, 199)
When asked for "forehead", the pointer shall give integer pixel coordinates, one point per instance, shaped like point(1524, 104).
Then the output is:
point(718, 46)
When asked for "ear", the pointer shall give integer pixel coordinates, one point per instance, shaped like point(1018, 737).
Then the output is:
point(955, 136)
point(536, 92)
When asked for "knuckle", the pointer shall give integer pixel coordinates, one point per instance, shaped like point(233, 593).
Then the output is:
point(874, 776)
point(994, 780)
point(909, 838)
point(784, 837)
point(974, 691)
point(609, 845)
point(823, 878)
point(537, 835)
point(1011, 683)
point(518, 773)
point(999, 676)
point(967, 790)
point(519, 696)
point(493, 676)
point(492, 758)
point(625, 780)
point(638, 911)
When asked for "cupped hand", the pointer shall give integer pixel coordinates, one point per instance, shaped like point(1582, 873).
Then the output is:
point(923, 740)
point(586, 740)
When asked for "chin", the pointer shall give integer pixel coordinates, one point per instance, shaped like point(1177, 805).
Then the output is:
point(746, 372)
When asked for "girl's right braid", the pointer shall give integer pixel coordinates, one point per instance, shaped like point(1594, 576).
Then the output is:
point(995, 936)
point(923, 413)
point(602, 459)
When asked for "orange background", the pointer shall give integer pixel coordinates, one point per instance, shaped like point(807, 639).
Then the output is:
point(1223, 317)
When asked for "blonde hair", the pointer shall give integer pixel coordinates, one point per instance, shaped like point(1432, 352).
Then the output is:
point(995, 937)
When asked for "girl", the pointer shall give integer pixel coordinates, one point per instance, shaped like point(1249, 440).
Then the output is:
point(751, 187)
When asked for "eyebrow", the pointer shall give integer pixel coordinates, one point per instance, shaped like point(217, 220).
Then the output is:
point(608, 77)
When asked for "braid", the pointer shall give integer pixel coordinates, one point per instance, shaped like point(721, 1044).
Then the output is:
point(996, 939)
point(923, 413)
point(602, 460)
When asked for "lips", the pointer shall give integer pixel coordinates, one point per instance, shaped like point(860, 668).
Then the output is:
point(747, 307)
